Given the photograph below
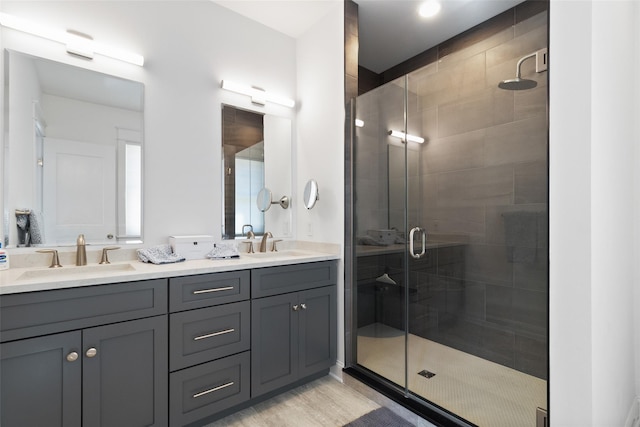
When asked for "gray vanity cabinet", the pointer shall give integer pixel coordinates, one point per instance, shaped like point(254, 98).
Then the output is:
point(293, 335)
point(209, 352)
point(39, 387)
point(97, 370)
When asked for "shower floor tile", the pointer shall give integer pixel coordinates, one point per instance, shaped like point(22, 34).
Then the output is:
point(483, 392)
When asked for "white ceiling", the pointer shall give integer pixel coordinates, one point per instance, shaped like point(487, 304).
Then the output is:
point(390, 30)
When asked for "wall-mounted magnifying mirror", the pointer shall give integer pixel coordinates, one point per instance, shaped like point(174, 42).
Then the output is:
point(264, 200)
point(311, 194)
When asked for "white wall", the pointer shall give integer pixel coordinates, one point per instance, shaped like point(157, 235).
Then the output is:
point(593, 212)
point(189, 47)
point(320, 148)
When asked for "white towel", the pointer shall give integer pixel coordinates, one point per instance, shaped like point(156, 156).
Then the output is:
point(160, 254)
point(222, 251)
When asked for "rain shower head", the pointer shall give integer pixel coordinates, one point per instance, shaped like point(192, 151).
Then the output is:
point(521, 84)
point(517, 84)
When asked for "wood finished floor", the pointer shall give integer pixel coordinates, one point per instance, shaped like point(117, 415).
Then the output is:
point(324, 402)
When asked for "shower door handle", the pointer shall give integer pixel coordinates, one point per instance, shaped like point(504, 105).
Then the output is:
point(423, 233)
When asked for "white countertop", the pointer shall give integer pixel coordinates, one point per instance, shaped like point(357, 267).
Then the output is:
point(17, 280)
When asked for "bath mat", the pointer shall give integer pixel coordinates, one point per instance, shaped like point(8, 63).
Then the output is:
point(381, 417)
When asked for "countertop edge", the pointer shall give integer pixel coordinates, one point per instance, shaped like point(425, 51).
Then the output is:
point(11, 284)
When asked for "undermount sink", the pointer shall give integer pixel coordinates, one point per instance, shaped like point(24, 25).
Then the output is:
point(74, 271)
point(279, 254)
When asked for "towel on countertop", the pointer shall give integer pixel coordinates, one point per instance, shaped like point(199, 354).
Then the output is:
point(521, 235)
point(161, 254)
point(222, 251)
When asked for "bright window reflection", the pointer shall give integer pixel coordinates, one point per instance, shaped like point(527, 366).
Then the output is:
point(133, 190)
point(249, 182)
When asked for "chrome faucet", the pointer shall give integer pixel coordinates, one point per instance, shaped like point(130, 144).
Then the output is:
point(81, 251)
point(263, 242)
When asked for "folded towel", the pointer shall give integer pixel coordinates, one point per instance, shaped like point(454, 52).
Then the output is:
point(35, 219)
point(372, 241)
point(160, 254)
point(222, 251)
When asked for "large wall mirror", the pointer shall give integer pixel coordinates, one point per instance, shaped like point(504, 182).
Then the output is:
point(256, 152)
point(73, 154)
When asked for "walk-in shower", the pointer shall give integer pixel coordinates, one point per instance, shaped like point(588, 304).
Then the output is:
point(448, 286)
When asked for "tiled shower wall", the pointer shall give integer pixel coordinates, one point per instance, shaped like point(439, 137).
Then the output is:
point(484, 177)
point(481, 177)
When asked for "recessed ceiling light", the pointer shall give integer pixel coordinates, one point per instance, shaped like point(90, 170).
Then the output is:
point(429, 8)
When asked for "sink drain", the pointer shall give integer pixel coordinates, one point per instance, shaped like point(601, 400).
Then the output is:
point(426, 374)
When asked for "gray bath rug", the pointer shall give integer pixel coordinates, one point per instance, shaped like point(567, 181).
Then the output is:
point(381, 417)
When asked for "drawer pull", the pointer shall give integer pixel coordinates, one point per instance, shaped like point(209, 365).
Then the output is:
point(206, 291)
point(214, 334)
point(211, 390)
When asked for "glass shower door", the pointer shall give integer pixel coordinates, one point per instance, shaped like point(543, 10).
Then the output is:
point(477, 298)
point(380, 198)
point(450, 243)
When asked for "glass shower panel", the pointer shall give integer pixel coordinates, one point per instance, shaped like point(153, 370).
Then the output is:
point(379, 227)
point(477, 299)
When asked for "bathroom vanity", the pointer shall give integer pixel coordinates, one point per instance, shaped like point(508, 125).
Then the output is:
point(206, 337)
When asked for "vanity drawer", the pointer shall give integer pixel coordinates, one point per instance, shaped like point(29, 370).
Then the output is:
point(204, 390)
point(292, 278)
point(205, 334)
point(46, 312)
point(189, 292)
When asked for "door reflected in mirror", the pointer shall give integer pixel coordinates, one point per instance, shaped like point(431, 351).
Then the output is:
point(73, 154)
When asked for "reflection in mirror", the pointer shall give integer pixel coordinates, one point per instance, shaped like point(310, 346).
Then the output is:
point(73, 154)
point(311, 195)
point(257, 154)
point(243, 156)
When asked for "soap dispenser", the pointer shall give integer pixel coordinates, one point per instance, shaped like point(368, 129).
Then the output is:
point(4, 258)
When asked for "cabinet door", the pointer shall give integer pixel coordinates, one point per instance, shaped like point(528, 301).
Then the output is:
point(40, 381)
point(318, 333)
point(274, 342)
point(125, 374)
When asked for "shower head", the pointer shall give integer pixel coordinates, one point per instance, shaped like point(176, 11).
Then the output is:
point(517, 84)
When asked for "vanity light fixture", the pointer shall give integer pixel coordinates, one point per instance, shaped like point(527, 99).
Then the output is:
point(359, 123)
point(401, 135)
point(76, 43)
point(258, 95)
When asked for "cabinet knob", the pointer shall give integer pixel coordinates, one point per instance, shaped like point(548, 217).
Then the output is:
point(296, 307)
point(91, 352)
point(72, 357)
point(303, 306)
